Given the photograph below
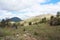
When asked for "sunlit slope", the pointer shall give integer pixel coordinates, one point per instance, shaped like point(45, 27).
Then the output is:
point(37, 18)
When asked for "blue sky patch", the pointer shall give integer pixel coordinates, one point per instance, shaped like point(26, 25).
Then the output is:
point(50, 2)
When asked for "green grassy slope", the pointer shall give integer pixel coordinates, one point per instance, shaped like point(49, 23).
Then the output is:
point(34, 32)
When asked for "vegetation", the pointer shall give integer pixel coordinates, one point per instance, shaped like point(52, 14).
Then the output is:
point(58, 14)
point(30, 23)
point(43, 20)
point(39, 31)
point(55, 20)
point(36, 30)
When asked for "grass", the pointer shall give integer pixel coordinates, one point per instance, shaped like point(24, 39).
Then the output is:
point(39, 31)
point(44, 31)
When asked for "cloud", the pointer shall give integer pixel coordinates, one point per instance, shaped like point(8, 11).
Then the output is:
point(41, 9)
point(17, 4)
point(26, 8)
point(4, 14)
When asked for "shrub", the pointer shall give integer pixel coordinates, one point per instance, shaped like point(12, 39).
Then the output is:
point(43, 20)
point(30, 23)
point(24, 29)
point(54, 21)
point(35, 33)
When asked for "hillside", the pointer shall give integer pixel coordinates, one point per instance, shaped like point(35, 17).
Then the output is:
point(37, 18)
point(40, 17)
point(32, 32)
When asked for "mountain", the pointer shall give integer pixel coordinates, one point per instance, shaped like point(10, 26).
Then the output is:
point(15, 19)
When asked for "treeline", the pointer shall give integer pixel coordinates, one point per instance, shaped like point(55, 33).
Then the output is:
point(7, 23)
point(54, 20)
point(4, 22)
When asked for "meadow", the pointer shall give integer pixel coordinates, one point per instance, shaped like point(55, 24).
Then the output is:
point(39, 31)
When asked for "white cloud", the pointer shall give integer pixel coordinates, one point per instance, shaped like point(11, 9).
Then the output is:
point(4, 14)
point(41, 9)
point(18, 4)
point(26, 8)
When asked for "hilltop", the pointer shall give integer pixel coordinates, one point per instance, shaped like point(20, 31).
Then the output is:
point(37, 18)
point(15, 19)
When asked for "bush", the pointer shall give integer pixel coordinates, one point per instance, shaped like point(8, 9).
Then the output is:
point(43, 20)
point(35, 33)
point(24, 29)
point(54, 21)
point(30, 23)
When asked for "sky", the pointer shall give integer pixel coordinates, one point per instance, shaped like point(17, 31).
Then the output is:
point(27, 8)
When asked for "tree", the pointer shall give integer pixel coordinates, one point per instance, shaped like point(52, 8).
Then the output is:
point(14, 26)
point(7, 22)
point(52, 17)
point(51, 20)
point(30, 23)
point(44, 20)
point(3, 23)
point(54, 21)
point(58, 14)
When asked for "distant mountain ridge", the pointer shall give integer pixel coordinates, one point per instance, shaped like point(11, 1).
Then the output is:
point(16, 19)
